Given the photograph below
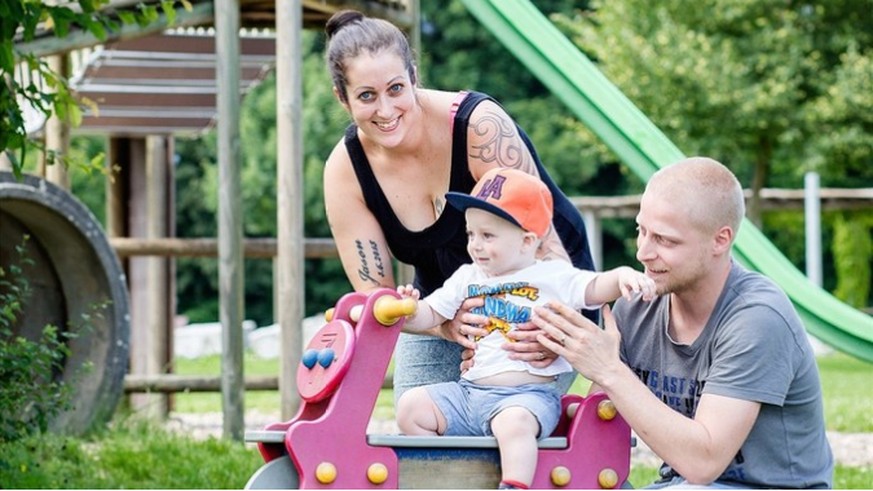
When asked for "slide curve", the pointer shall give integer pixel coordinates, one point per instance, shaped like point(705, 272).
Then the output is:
point(574, 79)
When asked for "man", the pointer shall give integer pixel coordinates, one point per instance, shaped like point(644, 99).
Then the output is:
point(716, 375)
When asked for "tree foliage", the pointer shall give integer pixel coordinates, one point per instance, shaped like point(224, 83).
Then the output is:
point(26, 80)
point(749, 82)
point(773, 89)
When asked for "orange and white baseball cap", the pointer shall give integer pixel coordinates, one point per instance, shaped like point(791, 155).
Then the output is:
point(513, 195)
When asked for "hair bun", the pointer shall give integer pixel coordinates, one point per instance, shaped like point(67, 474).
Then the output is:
point(341, 19)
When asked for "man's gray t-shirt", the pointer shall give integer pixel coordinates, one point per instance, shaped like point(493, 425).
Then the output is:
point(753, 348)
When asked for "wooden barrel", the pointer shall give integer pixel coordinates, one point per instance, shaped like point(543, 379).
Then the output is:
point(75, 275)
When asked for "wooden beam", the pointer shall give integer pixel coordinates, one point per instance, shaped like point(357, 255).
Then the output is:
point(831, 198)
point(208, 247)
point(49, 44)
point(600, 206)
point(771, 199)
point(170, 383)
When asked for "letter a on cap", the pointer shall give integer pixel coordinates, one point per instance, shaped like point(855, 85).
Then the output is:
point(492, 189)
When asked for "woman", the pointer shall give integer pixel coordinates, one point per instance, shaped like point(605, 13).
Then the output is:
point(386, 179)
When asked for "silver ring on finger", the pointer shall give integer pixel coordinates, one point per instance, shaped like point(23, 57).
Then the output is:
point(541, 356)
point(563, 340)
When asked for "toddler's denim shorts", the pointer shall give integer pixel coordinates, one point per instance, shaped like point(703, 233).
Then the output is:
point(469, 407)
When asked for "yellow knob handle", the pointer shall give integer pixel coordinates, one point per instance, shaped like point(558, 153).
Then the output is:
point(388, 310)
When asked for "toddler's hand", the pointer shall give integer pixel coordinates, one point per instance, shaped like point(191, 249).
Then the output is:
point(631, 281)
point(408, 291)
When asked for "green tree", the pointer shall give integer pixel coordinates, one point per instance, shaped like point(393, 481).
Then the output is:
point(26, 79)
point(750, 82)
point(773, 89)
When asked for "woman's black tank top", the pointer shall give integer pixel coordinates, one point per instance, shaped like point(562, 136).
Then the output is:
point(438, 250)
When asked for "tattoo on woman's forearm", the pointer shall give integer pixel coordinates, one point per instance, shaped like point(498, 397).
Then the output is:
point(366, 272)
point(502, 143)
point(364, 268)
point(377, 259)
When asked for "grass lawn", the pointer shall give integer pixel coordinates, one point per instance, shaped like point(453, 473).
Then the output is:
point(132, 454)
point(848, 395)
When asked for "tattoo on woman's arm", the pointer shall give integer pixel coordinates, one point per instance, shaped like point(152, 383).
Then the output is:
point(365, 270)
point(502, 144)
point(377, 258)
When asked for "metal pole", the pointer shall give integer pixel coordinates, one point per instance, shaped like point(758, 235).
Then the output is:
point(595, 238)
point(812, 218)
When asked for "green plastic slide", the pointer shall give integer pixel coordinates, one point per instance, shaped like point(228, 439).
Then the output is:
point(574, 79)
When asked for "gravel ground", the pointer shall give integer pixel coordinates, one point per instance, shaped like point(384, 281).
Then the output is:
point(851, 449)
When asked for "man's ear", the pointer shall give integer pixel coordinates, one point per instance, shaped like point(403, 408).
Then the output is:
point(723, 240)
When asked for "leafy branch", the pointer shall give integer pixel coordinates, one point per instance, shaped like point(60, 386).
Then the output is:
point(27, 79)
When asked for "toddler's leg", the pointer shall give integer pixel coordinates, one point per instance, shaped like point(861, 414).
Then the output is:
point(418, 415)
point(516, 431)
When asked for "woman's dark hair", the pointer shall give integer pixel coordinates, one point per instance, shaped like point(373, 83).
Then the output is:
point(350, 33)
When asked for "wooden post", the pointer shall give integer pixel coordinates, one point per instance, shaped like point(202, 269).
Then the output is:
point(289, 100)
point(133, 210)
point(57, 131)
point(230, 266)
point(158, 315)
point(115, 185)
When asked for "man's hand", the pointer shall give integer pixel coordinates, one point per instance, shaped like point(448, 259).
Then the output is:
point(527, 347)
point(592, 351)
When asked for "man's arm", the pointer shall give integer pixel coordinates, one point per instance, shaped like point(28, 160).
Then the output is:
point(699, 449)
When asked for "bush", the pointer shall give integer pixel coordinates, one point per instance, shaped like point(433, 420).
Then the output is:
point(31, 391)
